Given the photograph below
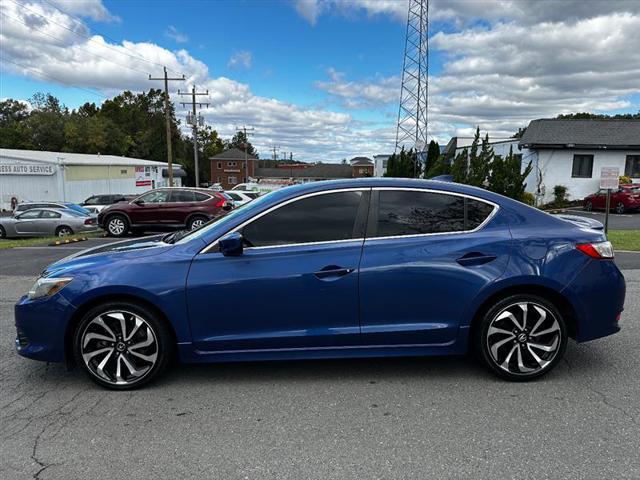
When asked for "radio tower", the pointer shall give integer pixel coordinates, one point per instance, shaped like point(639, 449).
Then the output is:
point(412, 115)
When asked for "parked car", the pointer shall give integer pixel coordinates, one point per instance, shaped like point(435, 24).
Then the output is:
point(164, 208)
point(96, 203)
point(626, 198)
point(23, 207)
point(368, 268)
point(240, 198)
point(38, 222)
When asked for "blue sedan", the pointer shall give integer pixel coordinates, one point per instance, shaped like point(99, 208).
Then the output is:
point(353, 268)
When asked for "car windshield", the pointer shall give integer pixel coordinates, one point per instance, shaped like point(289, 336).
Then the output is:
point(228, 218)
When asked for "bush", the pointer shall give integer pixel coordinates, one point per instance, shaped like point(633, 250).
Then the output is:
point(528, 198)
point(560, 195)
point(624, 179)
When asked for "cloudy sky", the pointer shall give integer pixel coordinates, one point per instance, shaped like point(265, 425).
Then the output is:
point(321, 78)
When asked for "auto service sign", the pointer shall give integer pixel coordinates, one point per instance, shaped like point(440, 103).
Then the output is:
point(26, 169)
point(142, 177)
point(609, 178)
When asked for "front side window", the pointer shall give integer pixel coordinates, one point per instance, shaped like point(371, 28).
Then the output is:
point(582, 166)
point(92, 201)
point(320, 218)
point(30, 214)
point(632, 166)
point(159, 196)
point(413, 213)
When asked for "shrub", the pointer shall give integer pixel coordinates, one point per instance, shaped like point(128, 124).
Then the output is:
point(528, 198)
point(624, 179)
point(560, 195)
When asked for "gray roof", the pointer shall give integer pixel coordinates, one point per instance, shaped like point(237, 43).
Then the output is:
point(323, 170)
point(232, 154)
point(560, 133)
point(360, 161)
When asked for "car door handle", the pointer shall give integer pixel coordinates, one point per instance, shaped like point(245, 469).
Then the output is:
point(475, 258)
point(332, 272)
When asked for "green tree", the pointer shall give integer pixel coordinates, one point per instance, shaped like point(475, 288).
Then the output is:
point(460, 167)
point(241, 142)
point(12, 127)
point(479, 161)
point(433, 154)
point(506, 176)
point(441, 166)
point(402, 165)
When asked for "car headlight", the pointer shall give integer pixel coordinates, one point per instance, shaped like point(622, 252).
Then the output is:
point(46, 287)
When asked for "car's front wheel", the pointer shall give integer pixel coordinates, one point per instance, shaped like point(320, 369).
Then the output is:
point(521, 337)
point(3, 233)
point(63, 231)
point(117, 226)
point(620, 208)
point(196, 222)
point(588, 206)
point(122, 345)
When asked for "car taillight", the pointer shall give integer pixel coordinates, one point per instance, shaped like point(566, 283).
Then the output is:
point(89, 221)
point(600, 250)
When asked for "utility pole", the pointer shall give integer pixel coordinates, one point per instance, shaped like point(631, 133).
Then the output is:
point(275, 152)
point(167, 116)
point(193, 120)
point(246, 146)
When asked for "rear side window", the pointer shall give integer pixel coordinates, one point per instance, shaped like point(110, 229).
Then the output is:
point(320, 218)
point(182, 196)
point(200, 197)
point(414, 213)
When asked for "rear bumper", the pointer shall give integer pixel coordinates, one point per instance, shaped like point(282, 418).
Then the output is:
point(597, 294)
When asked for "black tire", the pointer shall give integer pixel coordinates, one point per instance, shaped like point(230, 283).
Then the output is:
point(164, 346)
point(196, 221)
point(3, 233)
point(116, 225)
point(620, 208)
point(507, 365)
point(588, 206)
point(64, 231)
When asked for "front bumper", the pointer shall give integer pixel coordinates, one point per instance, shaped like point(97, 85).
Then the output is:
point(41, 326)
point(597, 294)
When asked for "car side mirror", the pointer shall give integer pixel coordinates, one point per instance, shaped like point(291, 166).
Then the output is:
point(139, 202)
point(231, 245)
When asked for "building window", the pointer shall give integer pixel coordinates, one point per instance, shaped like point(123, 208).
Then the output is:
point(582, 166)
point(232, 180)
point(632, 166)
point(231, 164)
point(218, 179)
point(123, 171)
point(219, 165)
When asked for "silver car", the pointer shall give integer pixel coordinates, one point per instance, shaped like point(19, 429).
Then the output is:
point(45, 222)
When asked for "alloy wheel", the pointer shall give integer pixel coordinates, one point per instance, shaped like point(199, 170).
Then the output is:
point(119, 347)
point(588, 207)
point(524, 338)
point(620, 208)
point(197, 223)
point(116, 226)
point(64, 232)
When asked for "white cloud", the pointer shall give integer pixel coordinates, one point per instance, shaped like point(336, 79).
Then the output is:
point(240, 60)
point(363, 94)
point(93, 9)
point(173, 33)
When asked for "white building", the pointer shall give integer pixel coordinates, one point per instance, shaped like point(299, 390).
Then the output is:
point(30, 175)
point(569, 153)
point(380, 165)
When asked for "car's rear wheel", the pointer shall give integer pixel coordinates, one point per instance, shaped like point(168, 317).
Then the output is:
point(196, 222)
point(117, 226)
point(521, 337)
point(63, 231)
point(122, 345)
point(588, 206)
point(3, 233)
point(620, 207)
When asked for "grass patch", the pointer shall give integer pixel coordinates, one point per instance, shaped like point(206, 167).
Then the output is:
point(30, 242)
point(625, 239)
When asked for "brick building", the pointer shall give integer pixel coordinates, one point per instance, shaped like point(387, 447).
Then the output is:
point(228, 168)
point(362, 167)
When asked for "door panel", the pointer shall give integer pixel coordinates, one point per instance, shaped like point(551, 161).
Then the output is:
point(274, 298)
point(414, 290)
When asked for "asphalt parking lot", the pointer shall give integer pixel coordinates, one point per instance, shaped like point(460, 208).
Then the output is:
point(624, 221)
point(381, 418)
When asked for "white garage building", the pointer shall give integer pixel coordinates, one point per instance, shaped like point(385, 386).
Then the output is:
point(30, 175)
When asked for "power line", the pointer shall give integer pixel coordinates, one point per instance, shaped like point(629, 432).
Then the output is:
point(194, 123)
point(88, 37)
point(50, 77)
point(167, 115)
point(75, 46)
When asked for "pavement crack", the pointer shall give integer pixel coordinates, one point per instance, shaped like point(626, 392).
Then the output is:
point(603, 396)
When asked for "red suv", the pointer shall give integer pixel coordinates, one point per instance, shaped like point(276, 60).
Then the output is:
point(627, 197)
point(164, 208)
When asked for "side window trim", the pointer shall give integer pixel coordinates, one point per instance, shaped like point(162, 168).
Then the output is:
point(374, 209)
point(212, 247)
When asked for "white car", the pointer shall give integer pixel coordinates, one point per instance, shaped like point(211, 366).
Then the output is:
point(241, 197)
